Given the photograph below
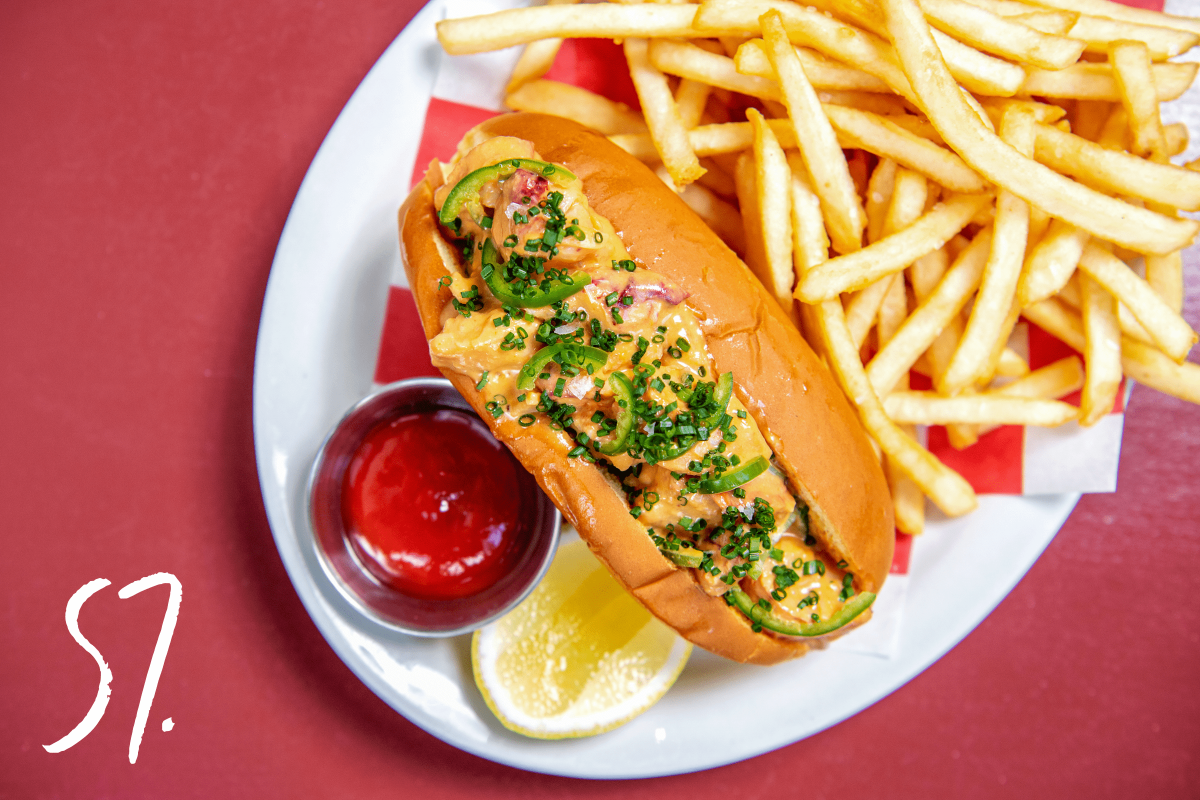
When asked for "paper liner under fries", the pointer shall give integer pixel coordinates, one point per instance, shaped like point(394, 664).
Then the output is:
point(1010, 460)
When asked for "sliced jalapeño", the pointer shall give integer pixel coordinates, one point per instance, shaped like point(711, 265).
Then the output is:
point(773, 622)
point(465, 194)
point(623, 396)
point(532, 297)
point(730, 480)
point(566, 354)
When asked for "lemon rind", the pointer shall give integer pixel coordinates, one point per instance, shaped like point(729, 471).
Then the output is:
point(566, 726)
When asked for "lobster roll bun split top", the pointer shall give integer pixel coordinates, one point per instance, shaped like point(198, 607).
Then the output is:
point(658, 394)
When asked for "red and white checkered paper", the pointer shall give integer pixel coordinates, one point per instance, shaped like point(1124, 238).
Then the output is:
point(1009, 460)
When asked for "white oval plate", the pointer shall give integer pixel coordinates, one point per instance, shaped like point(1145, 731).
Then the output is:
point(317, 344)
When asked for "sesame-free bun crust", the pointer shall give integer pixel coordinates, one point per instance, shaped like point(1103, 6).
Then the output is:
point(810, 426)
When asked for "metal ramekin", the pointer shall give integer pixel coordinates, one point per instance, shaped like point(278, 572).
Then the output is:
point(381, 603)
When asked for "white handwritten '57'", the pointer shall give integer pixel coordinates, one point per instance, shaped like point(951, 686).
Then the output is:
point(92, 718)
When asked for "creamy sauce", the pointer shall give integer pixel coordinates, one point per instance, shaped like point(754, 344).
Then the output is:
point(679, 473)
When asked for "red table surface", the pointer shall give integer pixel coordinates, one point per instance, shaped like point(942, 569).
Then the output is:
point(149, 153)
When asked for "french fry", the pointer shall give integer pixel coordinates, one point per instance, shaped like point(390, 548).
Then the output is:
point(565, 100)
point(723, 218)
point(908, 501)
point(515, 26)
point(1059, 321)
point(694, 63)
point(1042, 112)
point(1117, 11)
point(827, 168)
point(926, 271)
point(862, 13)
point(1092, 81)
point(1128, 323)
point(918, 125)
point(1013, 8)
point(905, 201)
point(905, 204)
point(1176, 137)
point(995, 34)
point(537, 57)
point(639, 145)
point(733, 137)
point(885, 105)
point(931, 317)
point(717, 179)
point(1073, 297)
point(1165, 276)
point(879, 135)
point(864, 307)
point(960, 434)
point(990, 322)
point(808, 27)
point(666, 128)
point(720, 139)
point(892, 253)
point(1116, 171)
point(943, 101)
point(879, 197)
point(944, 486)
point(1011, 365)
point(1162, 43)
point(1052, 262)
point(1149, 366)
point(978, 72)
point(1115, 131)
point(1131, 69)
point(811, 244)
point(690, 98)
point(1050, 382)
point(747, 193)
point(1170, 332)
point(1103, 352)
point(823, 73)
point(894, 309)
point(928, 408)
point(773, 182)
point(1097, 30)
point(1058, 23)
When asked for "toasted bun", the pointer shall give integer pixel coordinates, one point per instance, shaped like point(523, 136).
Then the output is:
point(808, 423)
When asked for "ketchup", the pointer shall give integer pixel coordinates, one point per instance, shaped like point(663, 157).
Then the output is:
point(435, 507)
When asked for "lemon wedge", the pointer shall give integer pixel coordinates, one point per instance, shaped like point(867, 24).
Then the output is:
point(578, 657)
